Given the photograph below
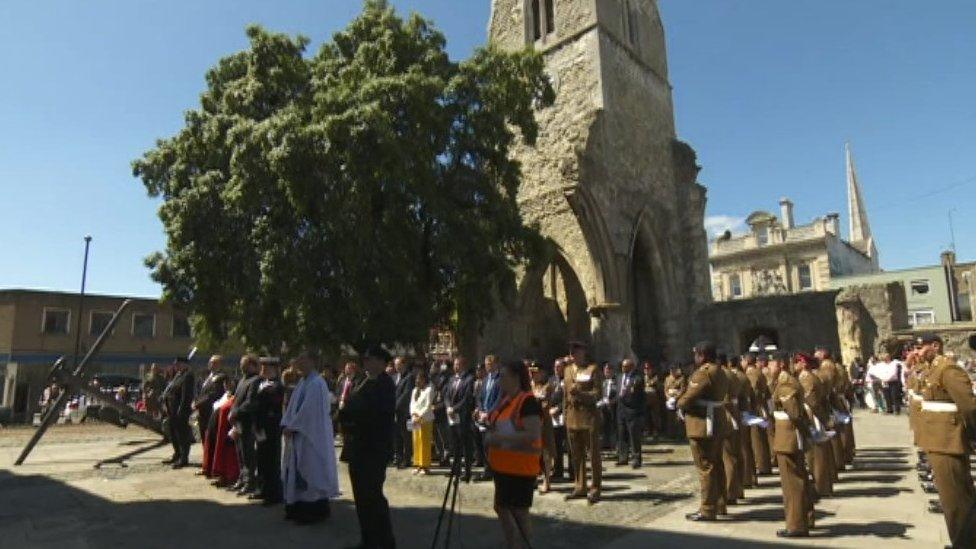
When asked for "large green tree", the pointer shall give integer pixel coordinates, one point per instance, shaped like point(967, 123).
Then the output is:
point(359, 195)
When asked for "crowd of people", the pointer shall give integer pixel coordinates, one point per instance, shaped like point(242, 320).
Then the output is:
point(268, 435)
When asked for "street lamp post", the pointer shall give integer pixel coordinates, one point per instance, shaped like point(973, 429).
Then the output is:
point(81, 302)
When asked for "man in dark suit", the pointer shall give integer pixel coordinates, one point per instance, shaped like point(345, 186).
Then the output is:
point(210, 391)
point(490, 398)
point(178, 396)
point(557, 412)
point(267, 432)
point(242, 417)
point(631, 410)
point(368, 421)
point(403, 449)
point(608, 407)
point(439, 380)
point(460, 410)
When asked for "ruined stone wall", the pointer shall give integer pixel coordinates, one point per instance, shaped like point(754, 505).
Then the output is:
point(868, 319)
point(797, 322)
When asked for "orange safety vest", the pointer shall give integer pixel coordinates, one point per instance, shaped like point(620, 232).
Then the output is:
point(514, 462)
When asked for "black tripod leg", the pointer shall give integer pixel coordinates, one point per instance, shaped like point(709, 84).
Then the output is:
point(450, 517)
point(447, 494)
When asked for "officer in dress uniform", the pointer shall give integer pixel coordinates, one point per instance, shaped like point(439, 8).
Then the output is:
point(703, 405)
point(760, 404)
point(790, 437)
point(819, 455)
point(583, 384)
point(944, 429)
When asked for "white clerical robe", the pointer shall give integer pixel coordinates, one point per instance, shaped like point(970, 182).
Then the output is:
point(308, 467)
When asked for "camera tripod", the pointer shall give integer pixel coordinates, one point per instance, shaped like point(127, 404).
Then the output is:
point(451, 492)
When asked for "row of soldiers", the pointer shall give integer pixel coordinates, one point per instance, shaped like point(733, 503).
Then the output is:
point(942, 416)
point(768, 410)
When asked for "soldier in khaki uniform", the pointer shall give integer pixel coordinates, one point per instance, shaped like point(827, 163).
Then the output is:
point(583, 383)
point(830, 374)
point(944, 428)
point(746, 405)
point(732, 445)
point(760, 403)
point(703, 404)
point(675, 385)
point(820, 456)
point(791, 436)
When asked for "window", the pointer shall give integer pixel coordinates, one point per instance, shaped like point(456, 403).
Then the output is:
point(735, 285)
point(762, 236)
point(920, 287)
point(916, 318)
point(806, 277)
point(56, 321)
point(543, 19)
point(99, 320)
point(143, 324)
point(181, 326)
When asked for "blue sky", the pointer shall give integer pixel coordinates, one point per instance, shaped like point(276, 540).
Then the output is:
point(767, 91)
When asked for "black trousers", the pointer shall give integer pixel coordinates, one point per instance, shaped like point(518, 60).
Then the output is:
point(442, 436)
point(892, 395)
point(247, 454)
point(462, 443)
point(180, 436)
point(480, 455)
point(559, 433)
point(630, 430)
point(609, 431)
point(367, 476)
point(402, 440)
point(204, 413)
point(269, 465)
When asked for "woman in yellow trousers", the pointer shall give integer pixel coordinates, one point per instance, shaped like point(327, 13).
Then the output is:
point(422, 423)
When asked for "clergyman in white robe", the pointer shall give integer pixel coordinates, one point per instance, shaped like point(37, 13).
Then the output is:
point(309, 473)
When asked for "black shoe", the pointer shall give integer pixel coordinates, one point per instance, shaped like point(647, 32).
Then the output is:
point(929, 488)
point(179, 464)
point(466, 478)
point(484, 478)
point(935, 506)
point(255, 495)
point(245, 490)
point(698, 517)
point(236, 486)
point(788, 534)
point(170, 461)
point(621, 463)
point(636, 465)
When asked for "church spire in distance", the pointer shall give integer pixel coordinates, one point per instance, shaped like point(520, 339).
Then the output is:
point(860, 233)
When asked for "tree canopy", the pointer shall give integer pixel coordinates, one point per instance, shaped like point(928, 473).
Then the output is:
point(359, 195)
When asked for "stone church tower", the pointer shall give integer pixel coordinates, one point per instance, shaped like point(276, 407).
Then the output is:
point(610, 184)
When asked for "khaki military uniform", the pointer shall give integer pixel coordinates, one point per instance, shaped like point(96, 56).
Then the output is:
point(771, 430)
point(820, 456)
point(845, 392)
point(792, 425)
point(706, 423)
point(757, 435)
point(583, 422)
point(944, 427)
point(829, 373)
point(746, 404)
point(916, 384)
point(732, 445)
point(674, 387)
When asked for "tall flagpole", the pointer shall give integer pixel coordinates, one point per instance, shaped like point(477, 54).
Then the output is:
point(81, 301)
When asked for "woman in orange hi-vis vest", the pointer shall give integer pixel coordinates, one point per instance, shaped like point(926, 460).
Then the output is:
point(514, 442)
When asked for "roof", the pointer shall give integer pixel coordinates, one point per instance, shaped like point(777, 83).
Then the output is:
point(760, 216)
point(43, 292)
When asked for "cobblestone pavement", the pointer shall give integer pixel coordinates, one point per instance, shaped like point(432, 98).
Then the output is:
point(58, 499)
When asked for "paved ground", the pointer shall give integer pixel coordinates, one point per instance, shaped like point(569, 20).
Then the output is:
point(57, 499)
